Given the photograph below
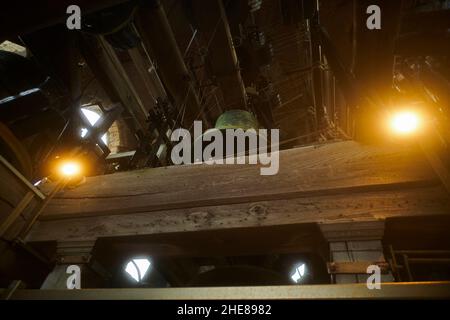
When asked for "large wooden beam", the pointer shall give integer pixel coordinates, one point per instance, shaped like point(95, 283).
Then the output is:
point(339, 182)
point(365, 206)
point(336, 168)
point(407, 290)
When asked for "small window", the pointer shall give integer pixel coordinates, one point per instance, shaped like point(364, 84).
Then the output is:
point(137, 268)
point(298, 273)
point(92, 117)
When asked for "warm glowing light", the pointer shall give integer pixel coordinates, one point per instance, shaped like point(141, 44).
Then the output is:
point(405, 122)
point(70, 169)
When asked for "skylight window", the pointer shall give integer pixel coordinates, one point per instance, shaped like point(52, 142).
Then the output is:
point(137, 268)
point(92, 117)
point(299, 273)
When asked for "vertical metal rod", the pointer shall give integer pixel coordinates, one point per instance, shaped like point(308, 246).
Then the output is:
point(190, 43)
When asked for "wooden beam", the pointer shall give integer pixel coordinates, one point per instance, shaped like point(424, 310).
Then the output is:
point(336, 231)
point(353, 267)
point(246, 241)
point(329, 209)
point(434, 147)
point(336, 168)
point(18, 201)
point(17, 211)
point(407, 290)
point(329, 184)
point(21, 178)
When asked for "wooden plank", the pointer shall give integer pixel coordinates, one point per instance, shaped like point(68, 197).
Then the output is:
point(404, 290)
point(418, 232)
point(21, 178)
point(270, 240)
point(358, 267)
point(18, 210)
point(366, 206)
point(366, 245)
point(356, 230)
point(433, 148)
point(341, 167)
point(103, 60)
point(17, 202)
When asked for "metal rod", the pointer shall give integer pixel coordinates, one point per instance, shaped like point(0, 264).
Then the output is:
point(190, 43)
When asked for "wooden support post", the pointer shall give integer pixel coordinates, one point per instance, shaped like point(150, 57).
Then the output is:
point(15, 285)
point(434, 145)
point(70, 256)
point(16, 212)
point(57, 279)
point(26, 228)
point(355, 242)
point(21, 199)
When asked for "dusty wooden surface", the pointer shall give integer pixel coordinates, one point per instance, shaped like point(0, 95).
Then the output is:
point(338, 182)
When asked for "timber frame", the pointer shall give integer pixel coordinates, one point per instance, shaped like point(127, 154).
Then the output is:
point(338, 185)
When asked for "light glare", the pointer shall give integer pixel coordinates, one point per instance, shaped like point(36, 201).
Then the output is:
point(70, 169)
point(405, 122)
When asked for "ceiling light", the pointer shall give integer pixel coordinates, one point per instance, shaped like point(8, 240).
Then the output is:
point(405, 122)
point(69, 169)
